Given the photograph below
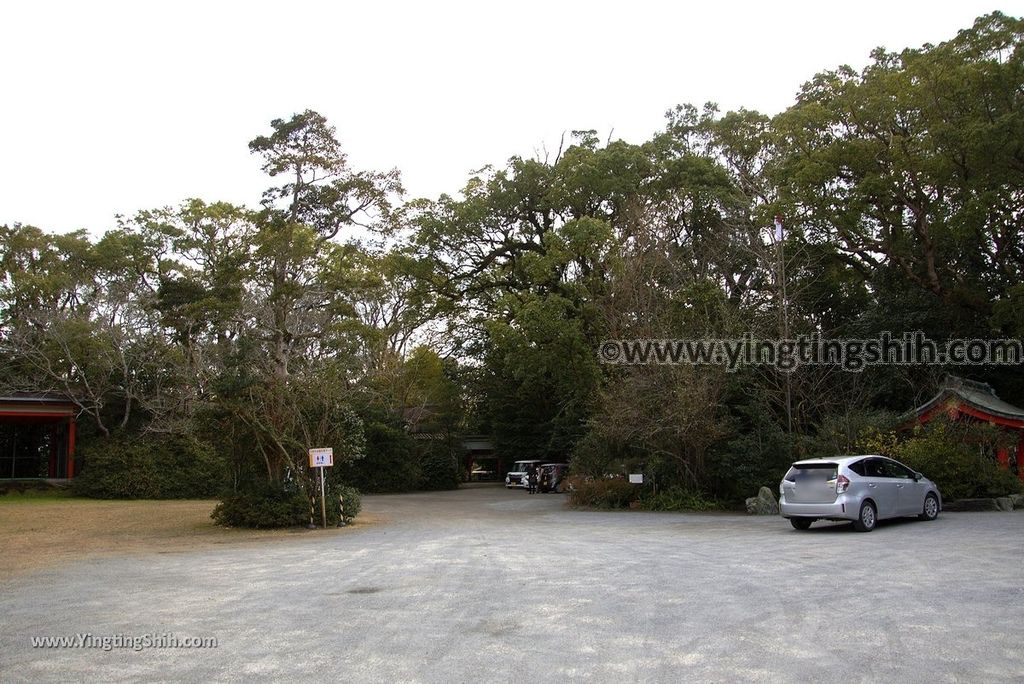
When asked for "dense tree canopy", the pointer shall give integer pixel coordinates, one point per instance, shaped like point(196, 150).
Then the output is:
point(339, 302)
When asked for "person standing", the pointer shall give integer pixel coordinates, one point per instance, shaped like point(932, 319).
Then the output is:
point(544, 481)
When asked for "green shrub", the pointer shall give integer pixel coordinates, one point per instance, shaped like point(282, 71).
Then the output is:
point(395, 462)
point(440, 470)
point(266, 507)
point(952, 457)
point(759, 455)
point(602, 493)
point(595, 455)
point(149, 467)
point(677, 499)
point(353, 500)
point(390, 463)
point(262, 508)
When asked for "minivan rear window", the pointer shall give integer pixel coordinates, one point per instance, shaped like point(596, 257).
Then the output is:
point(812, 472)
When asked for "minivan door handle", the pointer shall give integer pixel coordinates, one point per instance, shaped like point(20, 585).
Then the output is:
point(872, 485)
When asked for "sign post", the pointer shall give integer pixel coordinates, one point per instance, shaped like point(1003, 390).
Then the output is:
point(322, 458)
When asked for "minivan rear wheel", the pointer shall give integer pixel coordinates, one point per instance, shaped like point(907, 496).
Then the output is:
point(931, 508)
point(867, 519)
point(801, 523)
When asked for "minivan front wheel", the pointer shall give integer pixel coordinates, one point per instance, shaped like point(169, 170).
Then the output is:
point(931, 508)
point(801, 523)
point(867, 519)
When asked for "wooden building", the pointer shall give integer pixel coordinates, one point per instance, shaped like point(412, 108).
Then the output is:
point(960, 399)
point(37, 437)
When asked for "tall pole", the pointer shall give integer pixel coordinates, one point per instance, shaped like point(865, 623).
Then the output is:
point(323, 498)
point(780, 241)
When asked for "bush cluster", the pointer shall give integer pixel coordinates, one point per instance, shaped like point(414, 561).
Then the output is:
point(602, 492)
point(149, 467)
point(268, 507)
point(353, 501)
point(959, 468)
point(610, 493)
point(440, 470)
point(395, 462)
point(677, 499)
point(758, 455)
point(390, 464)
point(262, 508)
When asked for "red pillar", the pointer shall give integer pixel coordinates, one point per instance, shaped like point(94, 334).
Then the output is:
point(1003, 456)
point(71, 449)
point(1020, 458)
point(51, 470)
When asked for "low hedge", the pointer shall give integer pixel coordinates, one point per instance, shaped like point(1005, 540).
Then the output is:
point(269, 507)
point(959, 470)
point(263, 508)
point(440, 470)
point(678, 499)
point(149, 467)
point(612, 493)
point(602, 493)
point(390, 464)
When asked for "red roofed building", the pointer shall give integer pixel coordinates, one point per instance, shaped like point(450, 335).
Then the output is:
point(37, 436)
point(960, 399)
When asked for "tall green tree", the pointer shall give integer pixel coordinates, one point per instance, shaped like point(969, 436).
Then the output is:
point(320, 196)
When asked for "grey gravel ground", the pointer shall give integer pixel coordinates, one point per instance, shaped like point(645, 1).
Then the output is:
point(485, 584)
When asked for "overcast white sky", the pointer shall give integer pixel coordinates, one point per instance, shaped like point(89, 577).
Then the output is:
point(110, 107)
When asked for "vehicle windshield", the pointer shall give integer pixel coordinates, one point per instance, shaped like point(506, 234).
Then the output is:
point(812, 472)
point(521, 466)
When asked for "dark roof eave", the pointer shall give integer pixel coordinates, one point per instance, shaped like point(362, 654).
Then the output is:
point(965, 398)
point(37, 399)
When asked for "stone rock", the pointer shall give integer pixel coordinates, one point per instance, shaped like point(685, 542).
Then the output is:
point(763, 504)
point(1004, 503)
point(971, 505)
point(1018, 500)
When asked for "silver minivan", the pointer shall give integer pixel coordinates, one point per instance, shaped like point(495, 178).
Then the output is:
point(864, 489)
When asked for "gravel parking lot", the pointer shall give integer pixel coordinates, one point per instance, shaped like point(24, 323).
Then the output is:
point(484, 584)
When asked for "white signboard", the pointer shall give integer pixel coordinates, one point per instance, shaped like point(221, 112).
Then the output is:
point(319, 458)
point(636, 478)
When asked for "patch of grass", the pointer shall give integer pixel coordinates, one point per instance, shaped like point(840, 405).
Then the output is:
point(28, 496)
point(36, 532)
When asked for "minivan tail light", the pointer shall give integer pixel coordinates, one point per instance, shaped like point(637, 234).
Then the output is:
point(842, 483)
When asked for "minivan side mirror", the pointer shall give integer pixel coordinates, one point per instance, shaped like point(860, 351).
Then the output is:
point(917, 476)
